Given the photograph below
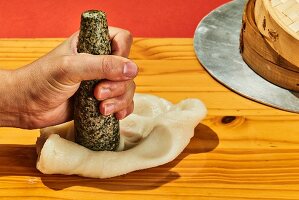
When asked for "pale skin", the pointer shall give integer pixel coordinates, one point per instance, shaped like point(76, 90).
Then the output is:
point(40, 94)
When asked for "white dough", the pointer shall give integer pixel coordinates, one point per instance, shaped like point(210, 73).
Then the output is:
point(156, 133)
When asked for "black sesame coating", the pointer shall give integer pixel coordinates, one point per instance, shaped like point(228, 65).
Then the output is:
point(93, 130)
point(94, 35)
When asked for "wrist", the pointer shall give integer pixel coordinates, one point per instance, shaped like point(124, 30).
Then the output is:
point(10, 101)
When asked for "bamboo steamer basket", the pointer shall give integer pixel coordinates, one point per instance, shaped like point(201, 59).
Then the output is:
point(278, 22)
point(260, 53)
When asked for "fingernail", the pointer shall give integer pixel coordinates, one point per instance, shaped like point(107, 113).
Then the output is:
point(108, 109)
point(104, 92)
point(130, 69)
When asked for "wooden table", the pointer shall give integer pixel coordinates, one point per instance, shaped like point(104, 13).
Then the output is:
point(242, 150)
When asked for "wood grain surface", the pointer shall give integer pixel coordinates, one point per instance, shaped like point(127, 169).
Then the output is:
point(242, 150)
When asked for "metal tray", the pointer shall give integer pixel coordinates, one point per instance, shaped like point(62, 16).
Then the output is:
point(216, 43)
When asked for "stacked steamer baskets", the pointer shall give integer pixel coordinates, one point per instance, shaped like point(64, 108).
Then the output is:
point(270, 40)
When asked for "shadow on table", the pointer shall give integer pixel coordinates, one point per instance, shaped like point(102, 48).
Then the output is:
point(296, 94)
point(20, 160)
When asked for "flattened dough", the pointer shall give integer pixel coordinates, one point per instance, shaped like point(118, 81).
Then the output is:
point(155, 134)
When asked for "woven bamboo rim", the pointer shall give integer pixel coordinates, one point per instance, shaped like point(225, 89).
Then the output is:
point(262, 58)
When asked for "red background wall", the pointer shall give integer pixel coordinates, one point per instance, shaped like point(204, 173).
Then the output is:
point(144, 18)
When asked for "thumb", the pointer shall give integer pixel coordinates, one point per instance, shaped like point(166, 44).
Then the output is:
point(82, 66)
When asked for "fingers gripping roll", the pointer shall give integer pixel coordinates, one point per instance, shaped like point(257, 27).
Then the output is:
point(93, 130)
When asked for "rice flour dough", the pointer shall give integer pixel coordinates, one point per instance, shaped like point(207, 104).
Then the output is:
point(154, 134)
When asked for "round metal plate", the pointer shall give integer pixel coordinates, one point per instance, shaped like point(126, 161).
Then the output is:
point(216, 43)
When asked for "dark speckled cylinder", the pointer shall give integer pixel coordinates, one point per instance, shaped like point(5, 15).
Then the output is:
point(93, 130)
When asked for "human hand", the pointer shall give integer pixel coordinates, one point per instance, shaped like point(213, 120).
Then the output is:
point(46, 86)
